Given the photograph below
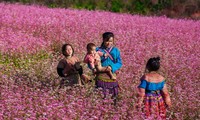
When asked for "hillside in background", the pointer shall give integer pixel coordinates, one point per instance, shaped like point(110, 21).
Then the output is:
point(189, 9)
point(183, 9)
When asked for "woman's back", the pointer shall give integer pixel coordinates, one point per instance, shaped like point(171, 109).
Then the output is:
point(152, 82)
point(152, 91)
point(154, 77)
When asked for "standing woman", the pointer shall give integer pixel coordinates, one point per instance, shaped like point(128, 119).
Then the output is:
point(153, 95)
point(112, 60)
point(69, 68)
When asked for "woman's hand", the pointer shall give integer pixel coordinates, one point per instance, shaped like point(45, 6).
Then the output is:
point(168, 102)
point(77, 65)
point(105, 55)
point(94, 71)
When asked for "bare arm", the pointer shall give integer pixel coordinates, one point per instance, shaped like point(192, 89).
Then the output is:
point(166, 96)
point(141, 94)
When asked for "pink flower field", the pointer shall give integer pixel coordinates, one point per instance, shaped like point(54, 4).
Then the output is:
point(30, 41)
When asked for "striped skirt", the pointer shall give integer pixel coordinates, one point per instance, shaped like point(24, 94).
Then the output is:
point(154, 105)
point(106, 83)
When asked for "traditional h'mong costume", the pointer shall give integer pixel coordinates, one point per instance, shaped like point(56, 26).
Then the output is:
point(114, 61)
point(153, 101)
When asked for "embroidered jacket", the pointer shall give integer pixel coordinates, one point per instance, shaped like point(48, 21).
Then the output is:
point(114, 60)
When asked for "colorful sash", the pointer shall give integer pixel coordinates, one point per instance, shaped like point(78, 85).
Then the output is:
point(104, 79)
point(108, 52)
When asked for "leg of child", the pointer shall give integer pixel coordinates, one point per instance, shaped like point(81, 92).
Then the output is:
point(110, 74)
point(105, 69)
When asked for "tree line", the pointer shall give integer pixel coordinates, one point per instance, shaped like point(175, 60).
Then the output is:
point(144, 7)
point(170, 8)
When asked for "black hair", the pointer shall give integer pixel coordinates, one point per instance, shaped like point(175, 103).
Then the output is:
point(64, 49)
point(90, 45)
point(153, 64)
point(106, 36)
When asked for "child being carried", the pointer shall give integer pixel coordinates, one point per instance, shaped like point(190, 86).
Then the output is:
point(92, 58)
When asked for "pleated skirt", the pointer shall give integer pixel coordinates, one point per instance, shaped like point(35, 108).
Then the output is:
point(106, 83)
point(154, 105)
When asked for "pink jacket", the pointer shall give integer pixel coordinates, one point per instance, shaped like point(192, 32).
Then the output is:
point(93, 59)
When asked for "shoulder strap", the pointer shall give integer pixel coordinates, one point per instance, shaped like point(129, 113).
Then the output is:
point(108, 52)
